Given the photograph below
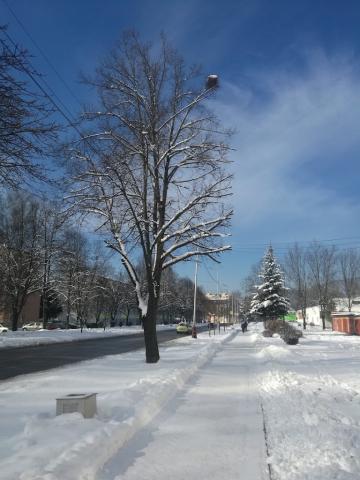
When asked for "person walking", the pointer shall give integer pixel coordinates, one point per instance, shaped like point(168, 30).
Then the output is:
point(244, 325)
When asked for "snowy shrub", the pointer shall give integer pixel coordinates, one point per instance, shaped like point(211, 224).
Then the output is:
point(290, 334)
point(275, 325)
point(287, 332)
point(291, 340)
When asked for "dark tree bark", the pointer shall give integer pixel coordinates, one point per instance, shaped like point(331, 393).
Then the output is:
point(149, 322)
point(15, 314)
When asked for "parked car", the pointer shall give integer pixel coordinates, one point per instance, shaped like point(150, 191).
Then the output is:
point(32, 326)
point(3, 329)
point(54, 326)
point(183, 328)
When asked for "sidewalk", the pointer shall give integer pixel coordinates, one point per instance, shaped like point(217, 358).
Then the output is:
point(213, 430)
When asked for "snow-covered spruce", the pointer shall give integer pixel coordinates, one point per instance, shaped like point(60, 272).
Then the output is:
point(269, 301)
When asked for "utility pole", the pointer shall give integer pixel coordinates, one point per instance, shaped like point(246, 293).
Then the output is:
point(232, 308)
point(217, 298)
point(193, 331)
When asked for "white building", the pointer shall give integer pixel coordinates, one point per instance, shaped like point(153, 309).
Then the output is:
point(221, 308)
point(341, 305)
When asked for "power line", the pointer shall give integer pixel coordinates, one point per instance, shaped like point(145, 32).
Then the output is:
point(40, 77)
point(210, 274)
point(42, 53)
point(279, 244)
point(284, 249)
point(216, 281)
point(68, 118)
point(41, 88)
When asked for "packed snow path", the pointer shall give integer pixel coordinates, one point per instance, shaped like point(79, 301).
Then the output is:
point(212, 430)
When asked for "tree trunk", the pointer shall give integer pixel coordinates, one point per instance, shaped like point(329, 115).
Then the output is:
point(149, 323)
point(44, 309)
point(304, 317)
point(323, 320)
point(14, 319)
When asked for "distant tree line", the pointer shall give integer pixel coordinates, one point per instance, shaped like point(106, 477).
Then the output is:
point(314, 275)
point(42, 251)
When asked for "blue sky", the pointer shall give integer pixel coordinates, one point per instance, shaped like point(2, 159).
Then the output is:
point(290, 86)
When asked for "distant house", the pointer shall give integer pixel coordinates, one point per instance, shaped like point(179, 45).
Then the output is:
point(348, 322)
point(340, 305)
point(220, 306)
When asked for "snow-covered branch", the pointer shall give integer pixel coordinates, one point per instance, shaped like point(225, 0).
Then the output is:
point(186, 256)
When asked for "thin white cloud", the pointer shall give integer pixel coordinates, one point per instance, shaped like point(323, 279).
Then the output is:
point(301, 117)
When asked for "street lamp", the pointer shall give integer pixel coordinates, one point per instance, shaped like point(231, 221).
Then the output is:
point(193, 330)
point(212, 81)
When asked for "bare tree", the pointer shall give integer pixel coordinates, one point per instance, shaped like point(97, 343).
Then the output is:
point(349, 262)
point(25, 126)
point(152, 168)
point(95, 286)
point(322, 265)
point(72, 275)
point(180, 298)
point(52, 224)
point(20, 252)
point(296, 269)
point(248, 287)
point(120, 296)
point(100, 301)
point(170, 295)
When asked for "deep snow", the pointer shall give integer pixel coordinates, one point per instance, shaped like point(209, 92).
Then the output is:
point(311, 398)
point(22, 338)
point(213, 431)
point(35, 444)
point(195, 414)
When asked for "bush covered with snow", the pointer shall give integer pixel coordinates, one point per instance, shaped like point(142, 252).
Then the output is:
point(275, 325)
point(287, 332)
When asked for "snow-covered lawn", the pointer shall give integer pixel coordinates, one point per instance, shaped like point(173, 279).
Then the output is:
point(311, 398)
point(309, 394)
point(35, 444)
point(40, 337)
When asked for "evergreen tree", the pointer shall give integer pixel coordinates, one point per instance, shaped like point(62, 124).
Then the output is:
point(269, 300)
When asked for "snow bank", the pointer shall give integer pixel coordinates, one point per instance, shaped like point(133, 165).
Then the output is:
point(318, 437)
point(273, 352)
point(42, 337)
point(311, 402)
point(130, 394)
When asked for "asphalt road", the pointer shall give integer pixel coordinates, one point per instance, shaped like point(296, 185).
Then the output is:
point(23, 360)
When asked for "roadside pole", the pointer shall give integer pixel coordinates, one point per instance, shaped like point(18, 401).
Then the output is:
point(193, 331)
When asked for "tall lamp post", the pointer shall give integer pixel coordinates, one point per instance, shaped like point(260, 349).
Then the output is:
point(193, 331)
point(212, 82)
